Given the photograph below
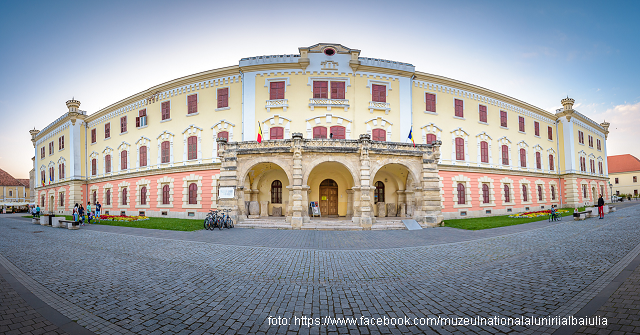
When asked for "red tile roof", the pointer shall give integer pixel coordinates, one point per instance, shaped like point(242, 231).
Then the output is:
point(623, 163)
point(7, 180)
point(24, 182)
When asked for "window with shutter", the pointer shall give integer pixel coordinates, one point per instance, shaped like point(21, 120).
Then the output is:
point(580, 137)
point(192, 145)
point(124, 196)
point(337, 90)
point(143, 195)
point(320, 90)
point(550, 133)
point(599, 144)
point(483, 113)
point(538, 161)
point(461, 194)
point(551, 162)
point(525, 196)
point(503, 119)
point(484, 152)
point(225, 135)
point(164, 152)
point(276, 133)
point(523, 158)
point(192, 104)
point(431, 102)
point(319, 132)
point(93, 135)
point(51, 148)
point(107, 163)
point(431, 138)
point(123, 124)
point(123, 160)
point(276, 192)
point(143, 155)
point(379, 135)
point(107, 130)
point(485, 193)
point(459, 148)
point(223, 97)
point(521, 123)
point(553, 192)
point(337, 132)
point(539, 193)
point(276, 90)
point(42, 154)
point(505, 155)
point(108, 197)
point(378, 93)
point(166, 110)
point(94, 167)
point(536, 128)
point(459, 107)
point(193, 194)
point(165, 195)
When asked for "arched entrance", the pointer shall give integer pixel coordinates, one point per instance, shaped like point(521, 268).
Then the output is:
point(393, 192)
point(329, 198)
point(265, 191)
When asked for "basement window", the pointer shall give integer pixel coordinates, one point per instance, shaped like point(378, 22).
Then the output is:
point(488, 211)
point(463, 213)
point(141, 213)
point(191, 214)
point(509, 210)
point(164, 213)
point(123, 213)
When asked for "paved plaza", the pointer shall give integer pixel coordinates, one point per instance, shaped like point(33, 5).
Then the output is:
point(116, 280)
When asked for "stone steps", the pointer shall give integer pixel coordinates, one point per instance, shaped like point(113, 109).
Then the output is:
point(320, 225)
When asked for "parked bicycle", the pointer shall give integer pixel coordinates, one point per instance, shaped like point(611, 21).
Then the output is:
point(218, 219)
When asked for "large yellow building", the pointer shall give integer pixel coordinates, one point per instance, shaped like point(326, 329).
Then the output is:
point(335, 127)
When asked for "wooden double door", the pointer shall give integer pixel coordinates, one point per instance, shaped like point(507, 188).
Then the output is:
point(329, 198)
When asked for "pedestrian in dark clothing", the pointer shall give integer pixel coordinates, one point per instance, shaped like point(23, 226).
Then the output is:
point(81, 214)
point(601, 207)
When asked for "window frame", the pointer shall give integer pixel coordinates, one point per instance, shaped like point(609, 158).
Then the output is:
point(222, 100)
point(504, 119)
point(426, 101)
point(458, 112)
point(192, 109)
point(165, 116)
point(482, 114)
point(276, 192)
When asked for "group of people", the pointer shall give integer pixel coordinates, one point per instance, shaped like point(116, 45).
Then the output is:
point(79, 213)
point(35, 211)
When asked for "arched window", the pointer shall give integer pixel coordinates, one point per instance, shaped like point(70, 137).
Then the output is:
point(165, 194)
point(538, 161)
point(108, 197)
point(225, 135)
point(461, 194)
point(459, 148)
point(378, 195)
point(525, 196)
point(485, 193)
point(337, 132)
point(539, 193)
point(507, 196)
point(124, 196)
point(379, 135)
point(276, 133)
point(431, 138)
point(276, 192)
point(505, 155)
point(319, 132)
point(193, 194)
point(523, 158)
point(143, 155)
point(95, 197)
point(143, 195)
point(123, 161)
point(192, 146)
point(165, 150)
point(94, 167)
point(42, 201)
point(551, 162)
point(107, 163)
point(484, 152)
point(553, 192)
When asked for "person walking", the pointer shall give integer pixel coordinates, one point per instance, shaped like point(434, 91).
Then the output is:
point(98, 208)
point(38, 211)
point(601, 207)
point(81, 214)
point(75, 212)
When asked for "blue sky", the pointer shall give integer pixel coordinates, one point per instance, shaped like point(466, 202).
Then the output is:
point(102, 52)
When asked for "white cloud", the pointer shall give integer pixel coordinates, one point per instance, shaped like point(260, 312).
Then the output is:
point(623, 132)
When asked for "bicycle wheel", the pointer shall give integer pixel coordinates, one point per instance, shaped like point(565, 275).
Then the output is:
point(205, 224)
point(230, 223)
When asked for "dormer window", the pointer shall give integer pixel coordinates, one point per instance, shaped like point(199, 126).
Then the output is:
point(329, 51)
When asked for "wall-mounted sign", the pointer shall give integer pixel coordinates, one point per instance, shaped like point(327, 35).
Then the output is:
point(226, 192)
point(324, 197)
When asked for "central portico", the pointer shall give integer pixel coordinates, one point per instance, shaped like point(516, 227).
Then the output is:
point(355, 179)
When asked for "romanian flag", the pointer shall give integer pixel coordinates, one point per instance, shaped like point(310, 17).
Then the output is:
point(259, 133)
point(411, 136)
point(50, 178)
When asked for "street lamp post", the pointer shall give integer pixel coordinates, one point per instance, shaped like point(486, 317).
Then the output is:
point(611, 192)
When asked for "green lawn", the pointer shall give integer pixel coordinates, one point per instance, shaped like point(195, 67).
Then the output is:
point(496, 221)
point(152, 223)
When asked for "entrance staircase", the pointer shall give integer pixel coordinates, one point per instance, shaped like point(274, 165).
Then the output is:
point(322, 224)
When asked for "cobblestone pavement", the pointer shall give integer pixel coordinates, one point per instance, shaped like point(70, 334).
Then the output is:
point(118, 283)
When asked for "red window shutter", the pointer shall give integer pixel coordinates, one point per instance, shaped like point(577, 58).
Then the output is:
point(521, 123)
point(192, 104)
point(107, 130)
point(507, 196)
point(459, 148)
point(276, 133)
point(165, 151)
point(165, 110)
point(459, 107)
point(483, 113)
point(461, 195)
point(551, 162)
point(59, 143)
point(137, 121)
point(93, 135)
point(143, 156)
point(431, 102)
point(431, 138)
point(193, 194)
point(523, 158)
point(539, 193)
point(485, 193)
point(320, 90)
point(337, 90)
point(378, 93)
point(536, 128)
point(223, 97)
point(276, 90)
point(550, 133)
point(93, 167)
point(108, 196)
point(143, 195)
point(338, 132)
point(379, 135)
point(124, 196)
point(484, 152)
point(192, 145)
point(319, 132)
point(505, 155)
point(524, 193)
point(503, 118)
point(165, 194)
point(107, 163)
point(123, 160)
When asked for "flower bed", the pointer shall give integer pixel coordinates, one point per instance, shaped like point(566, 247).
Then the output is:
point(122, 218)
point(537, 213)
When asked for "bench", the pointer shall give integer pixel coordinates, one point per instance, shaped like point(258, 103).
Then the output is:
point(579, 216)
point(70, 224)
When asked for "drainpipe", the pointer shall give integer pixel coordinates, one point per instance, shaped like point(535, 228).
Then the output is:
point(558, 155)
point(242, 110)
point(86, 160)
